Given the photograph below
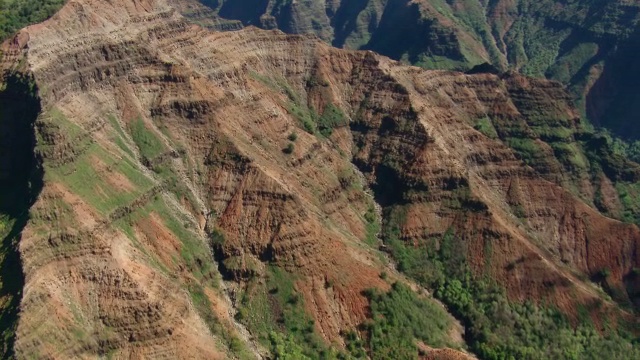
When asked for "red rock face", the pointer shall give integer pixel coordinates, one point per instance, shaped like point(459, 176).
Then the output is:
point(216, 110)
point(552, 232)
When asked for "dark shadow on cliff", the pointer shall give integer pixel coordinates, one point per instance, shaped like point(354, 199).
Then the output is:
point(613, 100)
point(21, 180)
point(345, 20)
point(403, 31)
point(248, 11)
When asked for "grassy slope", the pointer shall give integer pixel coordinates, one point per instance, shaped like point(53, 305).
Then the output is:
point(132, 205)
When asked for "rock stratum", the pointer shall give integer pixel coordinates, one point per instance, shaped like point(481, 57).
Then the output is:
point(184, 193)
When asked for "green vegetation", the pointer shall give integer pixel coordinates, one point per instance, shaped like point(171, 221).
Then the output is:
point(571, 155)
point(69, 129)
point(632, 151)
point(332, 117)
point(16, 14)
point(618, 146)
point(372, 226)
point(274, 312)
point(399, 320)
point(195, 252)
point(569, 41)
point(438, 62)
point(295, 106)
point(608, 156)
point(119, 136)
point(559, 135)
point(485, 126)
point(529, 139)
point(540, 45)
point(470, 16)
point(285, 347)
point(173, 182)
point(496, 327)
point(289, 148)
point(629, 193)
point(553, 131)
point(305, 116)
point(82, 178)
point(582, 153)
point(569, 64)
point(505, 330)
point(527, 148)
point(308, 118)
point(204, 307)
point(216, 237)
point(196, 255)
point(163, 166)
point(148, 143)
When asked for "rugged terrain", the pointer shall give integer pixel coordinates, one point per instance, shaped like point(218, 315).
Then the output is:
point(588, 45)
point(180, 192)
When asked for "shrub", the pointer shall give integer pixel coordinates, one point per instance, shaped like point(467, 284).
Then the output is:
point(286, 348)
point(216, 237)
point(399, 319)
point(332, 117)
point(289, 149)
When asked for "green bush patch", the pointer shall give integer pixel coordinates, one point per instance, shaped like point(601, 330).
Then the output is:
point(148, 143)
point(399, 320)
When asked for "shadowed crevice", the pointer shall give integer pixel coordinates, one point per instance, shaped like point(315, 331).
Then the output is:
point(21, 180)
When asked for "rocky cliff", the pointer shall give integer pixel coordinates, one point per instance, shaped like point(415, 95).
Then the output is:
point(205, 194)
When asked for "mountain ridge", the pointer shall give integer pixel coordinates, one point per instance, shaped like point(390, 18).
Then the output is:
point(583, 44)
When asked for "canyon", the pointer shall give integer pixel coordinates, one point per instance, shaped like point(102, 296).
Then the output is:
point(175, 191)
